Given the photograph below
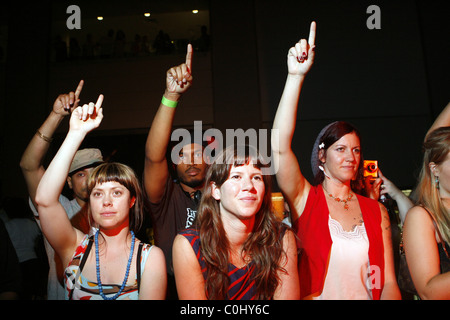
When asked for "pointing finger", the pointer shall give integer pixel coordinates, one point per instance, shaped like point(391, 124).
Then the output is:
point(312, 34)
point(79, 88)
point(189, 55)
point(99, 102)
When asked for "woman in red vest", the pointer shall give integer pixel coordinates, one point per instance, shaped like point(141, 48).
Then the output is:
point(345, 238)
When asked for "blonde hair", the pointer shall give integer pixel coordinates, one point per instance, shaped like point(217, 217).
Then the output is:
point(123, 174)
point(436, 148)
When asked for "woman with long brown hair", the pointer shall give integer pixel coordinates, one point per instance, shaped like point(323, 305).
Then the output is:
point(238, 248)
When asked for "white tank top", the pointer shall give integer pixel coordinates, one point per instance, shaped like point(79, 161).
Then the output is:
point(347, 276)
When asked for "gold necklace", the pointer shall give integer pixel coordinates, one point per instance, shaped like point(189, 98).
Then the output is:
point(337, 199)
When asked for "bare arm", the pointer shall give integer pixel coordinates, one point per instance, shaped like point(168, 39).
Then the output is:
point(390, 289)
point(33, 156)
point(55, 223)
point(188, 275)
point(443, 120)
point(289, 286)
point(422, 256)
point(289, 177)
point(156, 171)
point(154, 279)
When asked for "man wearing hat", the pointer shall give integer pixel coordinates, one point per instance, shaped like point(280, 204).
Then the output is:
point(32, 167)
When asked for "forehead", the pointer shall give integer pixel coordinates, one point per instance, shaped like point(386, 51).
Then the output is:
point(85, 171)
point(193, 147)
point(348, 139)
point(108, 185)
point(251, 167)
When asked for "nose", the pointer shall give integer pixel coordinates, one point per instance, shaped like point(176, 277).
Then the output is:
point(107, 201)
point(247, 184)
point(351, 156)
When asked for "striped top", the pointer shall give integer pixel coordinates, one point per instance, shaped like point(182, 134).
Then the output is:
point(77, 287)
point(241, 282)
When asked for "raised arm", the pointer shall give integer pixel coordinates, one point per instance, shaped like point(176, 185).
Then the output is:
point(156, 171)
point(443, 120)
point(289, 177)
point(55, 223)
point(32, 158)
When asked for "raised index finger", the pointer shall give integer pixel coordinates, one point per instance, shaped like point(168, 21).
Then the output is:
point(79, 88)
point(99, 102)
point(312, 34)
point(189, 57)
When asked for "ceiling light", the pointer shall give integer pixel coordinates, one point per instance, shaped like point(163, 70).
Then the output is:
point(147, 14)
point(195, 11)
point(99, 18)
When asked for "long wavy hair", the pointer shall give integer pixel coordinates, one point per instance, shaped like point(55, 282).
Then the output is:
point(123, 174)
point(264, 245)
point(436, 149)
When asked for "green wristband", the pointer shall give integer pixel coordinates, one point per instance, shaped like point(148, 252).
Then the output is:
point(169, 103)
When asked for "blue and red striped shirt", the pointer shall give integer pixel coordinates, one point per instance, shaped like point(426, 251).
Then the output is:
point(242, 286)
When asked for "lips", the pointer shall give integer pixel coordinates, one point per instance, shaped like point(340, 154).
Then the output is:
point(107, 213)
point(192, 171)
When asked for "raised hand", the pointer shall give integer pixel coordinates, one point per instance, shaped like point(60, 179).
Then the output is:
point(179, 78)
point(66, 103)
point(87, 117)
point(301, 56)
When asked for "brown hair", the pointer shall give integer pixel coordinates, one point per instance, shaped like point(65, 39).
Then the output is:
point(264, 245)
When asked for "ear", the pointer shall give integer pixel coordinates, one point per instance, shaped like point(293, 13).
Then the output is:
point(434, 169)
point(215, 191)
point(132, 202)
point(321, 156)
point(69, 182)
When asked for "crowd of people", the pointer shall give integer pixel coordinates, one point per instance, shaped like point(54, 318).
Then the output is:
point(116, 44)
point(216, 235)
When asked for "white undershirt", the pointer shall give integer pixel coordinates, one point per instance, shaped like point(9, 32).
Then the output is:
point(347, 277)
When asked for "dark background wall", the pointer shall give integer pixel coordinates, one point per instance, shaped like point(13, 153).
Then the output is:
point(391, 83)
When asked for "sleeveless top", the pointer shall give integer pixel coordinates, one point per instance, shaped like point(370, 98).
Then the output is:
point(444, 257)
point(241, 282)
point(315, 243)
point(348, 268)
point(77, 287)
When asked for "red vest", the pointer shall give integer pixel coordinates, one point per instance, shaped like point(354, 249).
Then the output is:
point(315, 242)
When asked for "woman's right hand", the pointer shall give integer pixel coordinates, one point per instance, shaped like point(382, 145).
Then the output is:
point(87, 117)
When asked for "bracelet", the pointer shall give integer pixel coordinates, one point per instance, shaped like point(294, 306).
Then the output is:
point(45, 138)
point(169, 103)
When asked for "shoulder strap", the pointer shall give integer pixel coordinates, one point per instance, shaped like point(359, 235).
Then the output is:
point(82, 263)
point(138, 265)
point(438, 232)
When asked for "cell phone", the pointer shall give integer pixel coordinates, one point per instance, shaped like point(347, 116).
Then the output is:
point(371, 169)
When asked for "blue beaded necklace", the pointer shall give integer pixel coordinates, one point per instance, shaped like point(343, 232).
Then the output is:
point(97, 265)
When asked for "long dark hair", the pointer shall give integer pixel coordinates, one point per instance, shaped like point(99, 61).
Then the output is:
point(264, 244)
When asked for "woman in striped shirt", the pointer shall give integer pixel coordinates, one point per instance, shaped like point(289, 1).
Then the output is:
point(238, 249)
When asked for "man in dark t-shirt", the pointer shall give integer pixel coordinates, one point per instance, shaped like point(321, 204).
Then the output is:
point(173, 205)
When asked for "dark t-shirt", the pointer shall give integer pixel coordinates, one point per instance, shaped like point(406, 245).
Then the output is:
point(176, 211)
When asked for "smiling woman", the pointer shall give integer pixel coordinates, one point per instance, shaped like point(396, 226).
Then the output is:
point(238, 249)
